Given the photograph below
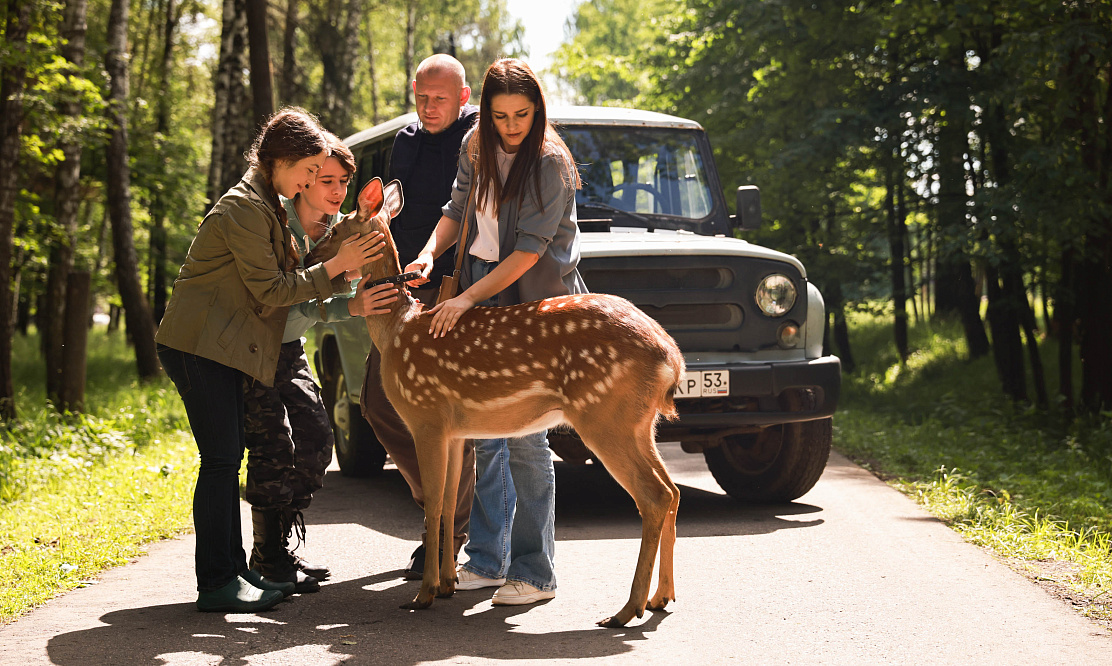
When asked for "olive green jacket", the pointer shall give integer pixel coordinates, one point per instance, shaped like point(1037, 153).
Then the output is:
point(232, 296)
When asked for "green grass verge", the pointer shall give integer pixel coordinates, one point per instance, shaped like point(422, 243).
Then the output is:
point(1034, 488)
point(80, 493)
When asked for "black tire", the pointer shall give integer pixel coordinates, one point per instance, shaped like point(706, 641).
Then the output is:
point(357, 449)
point(778, 464)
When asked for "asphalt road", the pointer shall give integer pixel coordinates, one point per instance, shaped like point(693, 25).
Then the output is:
point(853, 573)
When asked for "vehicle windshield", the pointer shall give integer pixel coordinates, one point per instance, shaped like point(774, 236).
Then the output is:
point(642, 171)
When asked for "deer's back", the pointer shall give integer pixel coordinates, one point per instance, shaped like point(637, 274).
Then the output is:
point(567, 349)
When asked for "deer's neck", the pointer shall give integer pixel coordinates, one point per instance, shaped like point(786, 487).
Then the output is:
point(383, 328)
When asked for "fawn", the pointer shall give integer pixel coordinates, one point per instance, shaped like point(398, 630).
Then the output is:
point(593, 361)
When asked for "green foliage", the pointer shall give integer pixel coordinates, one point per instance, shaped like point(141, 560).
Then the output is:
point(122, 417)
point(82, 492)
point(608, 39)
point(1013, 480)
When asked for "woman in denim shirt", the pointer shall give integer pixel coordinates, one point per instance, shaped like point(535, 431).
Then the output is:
point(516, 183)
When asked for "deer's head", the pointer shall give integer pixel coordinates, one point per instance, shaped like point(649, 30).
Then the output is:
point(376, 206)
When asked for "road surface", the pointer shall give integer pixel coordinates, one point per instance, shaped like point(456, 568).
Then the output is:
point(852, 573)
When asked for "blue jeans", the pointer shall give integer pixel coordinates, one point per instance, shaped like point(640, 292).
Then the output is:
point(213, 397)
point(513, 516)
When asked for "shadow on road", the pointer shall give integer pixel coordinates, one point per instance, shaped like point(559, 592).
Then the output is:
point(357, 620)
point(589, 505)
point(360, 619)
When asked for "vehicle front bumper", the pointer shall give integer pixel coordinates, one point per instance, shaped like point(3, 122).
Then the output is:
point(755, 392)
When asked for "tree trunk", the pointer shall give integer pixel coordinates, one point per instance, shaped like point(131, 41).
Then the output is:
point(1007, 350)
point(896, 233)
point(955, 290)
point(337, 37)
point(1064, 316)
point(231, 114)
point(11, 127)
point(158, 210)
point(138, 317)
point(71, 395)
point(373, 74)
point(262, 91)
point(410, 38)
point(1007, 296)
point(287, 82)
point(840, 332)
point(67, 195)
point(1030, 335)
point(1095, 270)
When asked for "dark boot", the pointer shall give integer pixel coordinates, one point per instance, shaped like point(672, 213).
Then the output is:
point(295, 524)
point(269, 556)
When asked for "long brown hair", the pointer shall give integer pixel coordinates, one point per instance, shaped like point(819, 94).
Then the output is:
point(290, 135)
point(511, 76)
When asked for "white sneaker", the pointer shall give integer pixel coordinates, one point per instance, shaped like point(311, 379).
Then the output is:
point(469, 580)
point(518, 593)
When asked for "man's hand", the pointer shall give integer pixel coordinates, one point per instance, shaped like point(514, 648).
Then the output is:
point(374, 300)
point(422, 263)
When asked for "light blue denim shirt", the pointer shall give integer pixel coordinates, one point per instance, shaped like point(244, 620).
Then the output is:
point(303, 315)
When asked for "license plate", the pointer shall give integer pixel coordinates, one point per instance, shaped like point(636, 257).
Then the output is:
point(704, 383)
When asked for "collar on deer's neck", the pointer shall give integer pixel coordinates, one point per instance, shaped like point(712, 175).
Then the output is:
point(396, 279)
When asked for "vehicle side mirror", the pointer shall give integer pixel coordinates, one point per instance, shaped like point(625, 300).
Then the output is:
point(748, 208)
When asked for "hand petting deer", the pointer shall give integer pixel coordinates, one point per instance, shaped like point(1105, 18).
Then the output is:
point(593, 361)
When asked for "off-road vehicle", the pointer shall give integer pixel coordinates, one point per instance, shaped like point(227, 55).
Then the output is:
point(759, 393)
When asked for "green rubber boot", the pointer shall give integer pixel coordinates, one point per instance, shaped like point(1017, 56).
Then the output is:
point(238, 596)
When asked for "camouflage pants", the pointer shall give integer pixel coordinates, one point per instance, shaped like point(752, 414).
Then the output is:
point(289, 438)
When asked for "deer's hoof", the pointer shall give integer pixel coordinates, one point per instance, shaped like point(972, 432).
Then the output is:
point(417, 603)
point(611, 622)
point(446, 591)
point(658, 604)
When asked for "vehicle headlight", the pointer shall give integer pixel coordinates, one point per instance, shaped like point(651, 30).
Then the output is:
point(776, 295)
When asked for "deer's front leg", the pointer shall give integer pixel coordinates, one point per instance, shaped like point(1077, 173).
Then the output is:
point(432, 458)
point(448, 530)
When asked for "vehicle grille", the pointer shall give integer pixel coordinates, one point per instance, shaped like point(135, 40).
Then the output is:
point(705, 302)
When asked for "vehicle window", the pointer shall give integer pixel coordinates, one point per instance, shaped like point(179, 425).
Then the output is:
point(644, 171)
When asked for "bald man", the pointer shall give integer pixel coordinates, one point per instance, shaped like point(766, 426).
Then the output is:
point(424, 159)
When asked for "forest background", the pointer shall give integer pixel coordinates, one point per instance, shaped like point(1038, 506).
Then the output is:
point(925, 157)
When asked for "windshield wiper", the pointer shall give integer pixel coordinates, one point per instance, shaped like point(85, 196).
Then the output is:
point(613, 209)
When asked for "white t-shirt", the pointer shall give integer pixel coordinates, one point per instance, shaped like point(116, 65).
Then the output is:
point(486, 242)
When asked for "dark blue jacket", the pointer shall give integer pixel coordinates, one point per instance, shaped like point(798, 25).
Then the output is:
point(426, 166)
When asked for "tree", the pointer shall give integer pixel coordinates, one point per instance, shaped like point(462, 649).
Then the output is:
point(68, 199)
point(140, 326)
point(12, 72)
point(231, 117)
point(262, 93)
point(336, 31)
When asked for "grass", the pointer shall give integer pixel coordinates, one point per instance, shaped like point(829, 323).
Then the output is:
point(1034, 488)
point(80, 493)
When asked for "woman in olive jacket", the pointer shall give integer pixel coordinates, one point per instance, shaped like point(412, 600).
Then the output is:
point(223, 325)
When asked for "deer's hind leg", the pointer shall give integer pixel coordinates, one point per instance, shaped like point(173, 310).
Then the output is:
point(666, 586)
point(629, 454)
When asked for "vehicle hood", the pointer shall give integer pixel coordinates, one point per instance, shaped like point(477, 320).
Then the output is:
point(663, 242)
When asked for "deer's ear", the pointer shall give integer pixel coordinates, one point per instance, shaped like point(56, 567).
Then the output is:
point(370, 198)
point(393, 198)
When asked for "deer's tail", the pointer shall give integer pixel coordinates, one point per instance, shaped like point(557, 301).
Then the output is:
point(673, 370)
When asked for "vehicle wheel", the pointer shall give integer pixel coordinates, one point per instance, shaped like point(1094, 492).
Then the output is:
point(357, 449)
point(778, 464)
